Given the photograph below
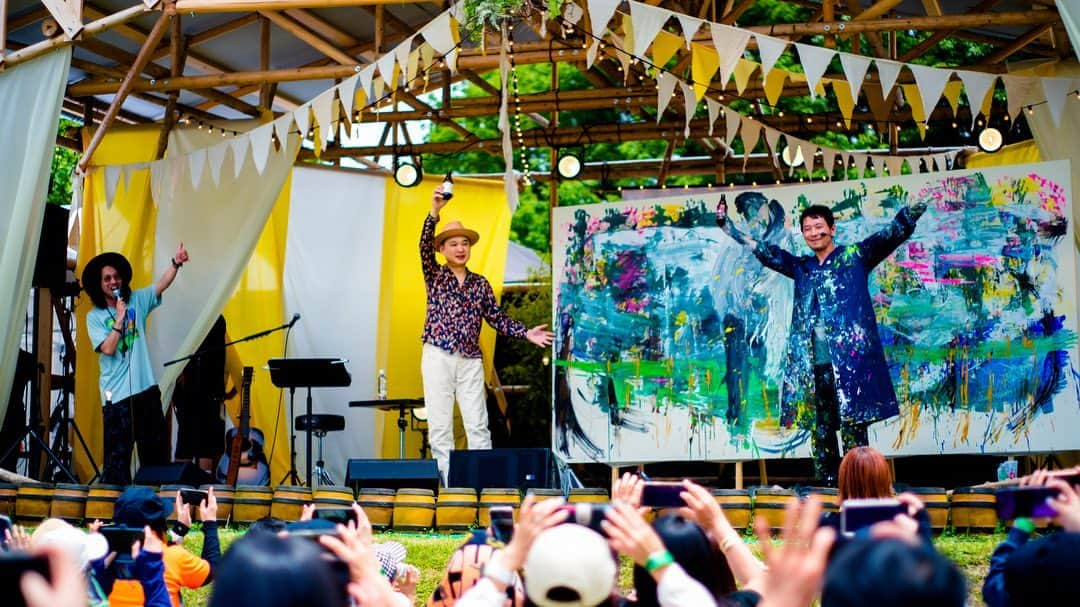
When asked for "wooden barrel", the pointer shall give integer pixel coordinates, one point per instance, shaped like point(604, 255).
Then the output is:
point(770, 503)
point(585, 494)
point(7, 499)
point(33, 502)
point(69, 503)
point(414, 509)
point(829, 496)
point(736, 506)
point(288, 502)
point(167, 493)
point(100, 500)
point(378, 505)
point(497, 497)
point(973, 508)
point(456, 510)
point(936, 501)
point(545, 494)
point(226, 498)
point(251, 503)
point(333, 497)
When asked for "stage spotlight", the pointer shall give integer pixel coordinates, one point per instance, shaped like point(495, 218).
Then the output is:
point(569, 165)
point(407, 174)
point(792, 156)
point(990, 140)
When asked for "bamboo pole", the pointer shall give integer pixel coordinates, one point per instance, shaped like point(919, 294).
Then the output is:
point(379, 10)
point(125, 87)
point(1004, 53)
point(266, 100)
point(940, 35)
point(924, 24)
point(243, 6)
point(176, 58)
point(3, 30)
point(92, 29)
point(306, 35)
point(876, 10)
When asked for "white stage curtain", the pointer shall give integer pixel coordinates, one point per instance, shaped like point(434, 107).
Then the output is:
point(30, 100)
point(219, 224)
point(333, 267)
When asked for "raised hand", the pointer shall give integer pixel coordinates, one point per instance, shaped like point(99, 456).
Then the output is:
point(540, 336)
point(181, 254)
point(437, 201)
point(208, 507)
point(797, 566)
point(628, 489)
point(630, 534)
point(1067, 505)
point(183, 511)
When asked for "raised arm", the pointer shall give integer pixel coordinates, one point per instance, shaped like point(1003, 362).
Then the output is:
point(770, 256)
point(167, 278)
point(427, 235)
point(882, 243)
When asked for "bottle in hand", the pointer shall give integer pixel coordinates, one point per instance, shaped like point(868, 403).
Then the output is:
point(448, 186)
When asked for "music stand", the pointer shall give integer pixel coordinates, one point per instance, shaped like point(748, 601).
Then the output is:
point(401, 405)
point(293, 373)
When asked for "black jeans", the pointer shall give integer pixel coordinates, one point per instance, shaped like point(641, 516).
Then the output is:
point(827, 423)
point(136, 420)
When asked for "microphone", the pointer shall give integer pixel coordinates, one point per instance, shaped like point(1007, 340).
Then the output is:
point(116, 293)
point(295, 317)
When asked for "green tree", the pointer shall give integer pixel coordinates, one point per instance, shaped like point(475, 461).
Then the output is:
point(63, 166)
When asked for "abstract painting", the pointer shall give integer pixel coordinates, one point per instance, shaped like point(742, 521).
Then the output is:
point(670, 337)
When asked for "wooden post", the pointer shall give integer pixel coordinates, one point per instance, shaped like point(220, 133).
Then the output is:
point(3, 30)
point(265, 99)
point(378, 29)
point(314, 41)
point(43, 348)
point(141, 59)
point(739, 475)
point(764, 480)
point(828, 15)
point(177, 54)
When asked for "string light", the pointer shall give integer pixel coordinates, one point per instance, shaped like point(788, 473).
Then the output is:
point(523, 153)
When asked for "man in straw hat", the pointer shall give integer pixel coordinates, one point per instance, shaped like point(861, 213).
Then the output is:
point(117, 328)
point(457, 300)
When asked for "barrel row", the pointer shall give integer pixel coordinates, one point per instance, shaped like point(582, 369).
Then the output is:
point(454, 509)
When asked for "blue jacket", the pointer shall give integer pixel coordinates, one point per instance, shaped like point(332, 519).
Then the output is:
point(863, 384)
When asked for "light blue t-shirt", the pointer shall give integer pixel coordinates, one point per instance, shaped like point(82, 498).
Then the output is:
point(128, 371)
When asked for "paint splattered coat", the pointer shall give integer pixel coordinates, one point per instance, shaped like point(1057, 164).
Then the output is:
point(863, 384)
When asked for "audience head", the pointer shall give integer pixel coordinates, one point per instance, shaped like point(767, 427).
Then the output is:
point(570, 566)
point(1044, 571)
point(264, 570)
point(864, 473)
point(463, 572)
point(892, 573)
point(141, 506)
point(267, 524)
point(694, 552)
point(82, 547)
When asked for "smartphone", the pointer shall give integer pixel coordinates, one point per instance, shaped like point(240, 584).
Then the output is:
point(588, 515)
point(5, 526)
point(1030, 502)
point(193, 497)
point(856, 514)
point(662, 495)
point(12, 567)
point(502, 523)
point(120, 539)
point(336, 515)
point(313, 530)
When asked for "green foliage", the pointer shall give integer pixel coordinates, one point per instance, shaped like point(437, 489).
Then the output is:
point(522, 363)
point(63, 165)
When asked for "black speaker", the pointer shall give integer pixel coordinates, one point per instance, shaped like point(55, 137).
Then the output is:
point(392, 474)
point(483, 468)
point(179, 473)
point(50, 269)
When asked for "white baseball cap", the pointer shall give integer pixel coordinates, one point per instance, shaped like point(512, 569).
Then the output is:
point(570, 566)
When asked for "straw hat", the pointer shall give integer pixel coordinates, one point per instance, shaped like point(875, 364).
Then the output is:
point(455, 228)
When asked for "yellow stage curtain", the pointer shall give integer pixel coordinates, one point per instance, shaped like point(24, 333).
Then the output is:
point(481, 206)
point(127, 226)
point(1017, 153)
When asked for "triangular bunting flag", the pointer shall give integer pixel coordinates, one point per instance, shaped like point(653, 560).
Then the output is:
point(439, 34)
point(704, 63)
point(112, 176)
point(915, 102)
point(750, 134)
point(730, 43)
point(895, 165)
point(888, 71)
point(367, 77)
point(732, 123)
point(772, 138)
point(714, 108)
point(774, 85)
point(240, 145)
point(1021, 91)
point(844, 100)
point(953, 88)
point(261, 139)
point(215, 157)
point(647, 20)
point(690, 26)
point(281, 128)
point(600, 13)
point(770, 49)
point(855, 67)
point(427, 55)
point(302, 117)
point(401, 55)
point(665, 89)
point(1056, 89)
point(828, 161)
point(196, 164)
point(743, 70)
point(815, 61)
point(322, 107)
point(346, 92)
point(931, 81)
point(590, 55)
point(690, 103)
point(664, 47)
point(809, 154)
point(387, 65)
point(977, 87)
point(412, 68)
point(451, 61)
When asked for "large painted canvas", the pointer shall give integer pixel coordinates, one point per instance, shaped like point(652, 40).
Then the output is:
point(670, 337)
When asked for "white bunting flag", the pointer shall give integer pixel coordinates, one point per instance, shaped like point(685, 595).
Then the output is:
point(1056, 89)
point(888, 71)
point(647, 21)
point(323, 108)
point(665, 88)
point(732, 124)
point(302, 117)
point(240, 146)
point(772, 138)
point(282, 126)
point(112, 176)
point(809, 154)
point(815, 61)
point(750, 134)
point(438, 33)
point(600, 13)
point(590, 54)
point(1021, 91)
point(976, 86)
point(895, 165)
point(386, 68)
point(196, 164)
point(215, 157)
point(401, 55)
point(690, 26)
point(367, 77)
point(828, 160)
point(714, 108)
point(730, 44)
point(770, 49)
point(346, 92)
point(690, 104)
point(451, 61)
point(261, 142)
point(855, 68)
point(931, 83)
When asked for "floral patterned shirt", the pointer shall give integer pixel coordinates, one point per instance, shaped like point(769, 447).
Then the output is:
point(454, 308)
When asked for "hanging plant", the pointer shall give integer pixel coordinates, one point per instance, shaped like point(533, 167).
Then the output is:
point(481, 15)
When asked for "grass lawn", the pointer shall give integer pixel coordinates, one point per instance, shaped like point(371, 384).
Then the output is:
point(430, 553)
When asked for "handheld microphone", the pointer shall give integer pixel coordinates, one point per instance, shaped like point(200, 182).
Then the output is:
point(116, 293)
point(295, 317)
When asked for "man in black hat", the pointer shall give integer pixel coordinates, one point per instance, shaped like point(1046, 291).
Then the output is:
point(117, 328)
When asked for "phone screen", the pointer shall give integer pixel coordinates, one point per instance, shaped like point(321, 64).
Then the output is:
point(336, 515)
point(193, 497)
point(502, 523)
point(662, 495)
point(12, 567)
point(1030, 502)
point(120, 539)
point(5, 526)
point(858, 514)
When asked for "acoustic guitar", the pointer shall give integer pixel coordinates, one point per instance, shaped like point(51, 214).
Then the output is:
point(244, 462)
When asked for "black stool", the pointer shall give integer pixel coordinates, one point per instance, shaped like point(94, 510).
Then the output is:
point(319, 425)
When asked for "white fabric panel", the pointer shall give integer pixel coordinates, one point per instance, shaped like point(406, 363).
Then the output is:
point(219, 225)
point(30, 95)
point(333, 265)
point(1049, 138)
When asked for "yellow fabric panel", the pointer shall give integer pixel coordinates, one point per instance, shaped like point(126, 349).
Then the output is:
point(705, 62)
point(127, 227)
point(255, 306)
point(1017, 153)
point(481, 206)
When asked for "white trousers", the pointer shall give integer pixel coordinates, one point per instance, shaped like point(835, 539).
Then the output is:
point(447, 376)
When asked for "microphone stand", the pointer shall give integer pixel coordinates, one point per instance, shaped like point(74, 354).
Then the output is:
point(199, 353)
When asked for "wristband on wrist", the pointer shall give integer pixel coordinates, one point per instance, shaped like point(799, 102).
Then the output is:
point(118, 329)
point(1024, 524)
point(176, 265)
point(658, 559)
point(180, 529)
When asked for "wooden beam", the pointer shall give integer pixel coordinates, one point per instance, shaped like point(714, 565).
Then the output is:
point(265, 92)
point(323, 28)
point(932, 7)
point(309, 37)
point(731, 16)
point(223, 29)
point(3, 30)
point(1032, 34)
point(125, 87)
point(379, 10)
point(17, 23)
point(940, 35)
point(91, 29)
point(876, 10)
point(176, 68)
point(68, 13)
point(991, 19)
point(828, 13)
point(243, 6)
point(665, 165)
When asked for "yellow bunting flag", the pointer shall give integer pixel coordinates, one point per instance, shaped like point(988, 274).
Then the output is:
point(844, 100)
point(704, 65)
point(743, 69)
point(627, 43)
point(774, 85)
point(918, 111)
point(952, 94)
point(664, 47)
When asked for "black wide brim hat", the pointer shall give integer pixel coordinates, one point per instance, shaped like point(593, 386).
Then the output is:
point(91, 274)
